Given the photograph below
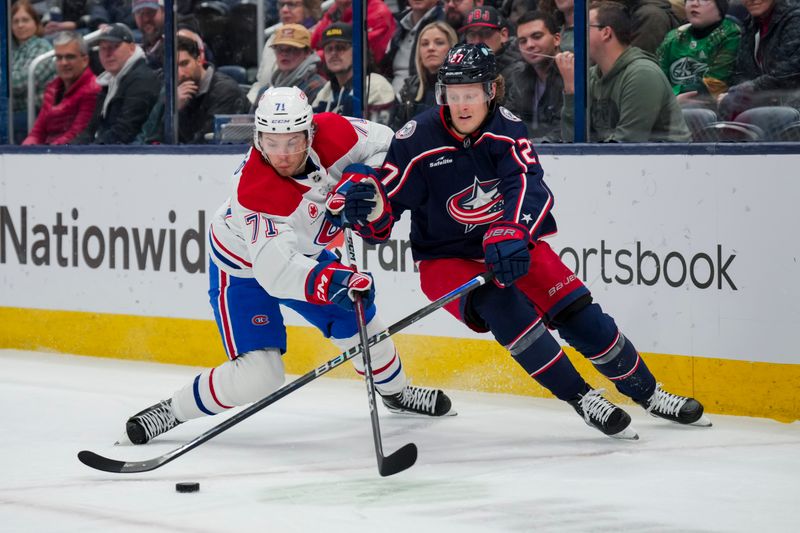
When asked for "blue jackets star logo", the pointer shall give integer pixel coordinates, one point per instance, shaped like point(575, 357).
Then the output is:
point(480, 203)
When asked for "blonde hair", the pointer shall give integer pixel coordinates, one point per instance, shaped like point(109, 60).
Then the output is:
point(452, 39)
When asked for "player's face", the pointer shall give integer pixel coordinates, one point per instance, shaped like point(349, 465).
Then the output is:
point(286, 151)
point(469, 105)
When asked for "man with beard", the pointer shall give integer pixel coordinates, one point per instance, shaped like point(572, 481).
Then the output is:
point(149, 17)
point(456, 11)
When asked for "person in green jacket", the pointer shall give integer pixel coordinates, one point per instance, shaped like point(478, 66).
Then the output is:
point(630, 98)
point(698, 57)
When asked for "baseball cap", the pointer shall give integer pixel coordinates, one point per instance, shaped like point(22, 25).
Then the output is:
point(136, 5)
point(117, 33)
point(338, 31)
point(483, 17)
point(292, 35)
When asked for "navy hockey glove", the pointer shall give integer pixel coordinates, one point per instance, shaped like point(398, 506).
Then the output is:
point(330, 282)
point(359, 200)
point(506, 248)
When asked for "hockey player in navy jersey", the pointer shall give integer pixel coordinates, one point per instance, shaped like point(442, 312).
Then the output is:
point(268, 247)
point(474, 188)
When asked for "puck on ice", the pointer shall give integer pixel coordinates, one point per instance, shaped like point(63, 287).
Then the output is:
point(187, 486)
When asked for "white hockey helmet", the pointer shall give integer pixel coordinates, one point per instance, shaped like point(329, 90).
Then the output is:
point(283, 110)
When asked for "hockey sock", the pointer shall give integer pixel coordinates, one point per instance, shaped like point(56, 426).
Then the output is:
point(515, 324)
point(387, 368)
point(595, 335)
point(246, 379)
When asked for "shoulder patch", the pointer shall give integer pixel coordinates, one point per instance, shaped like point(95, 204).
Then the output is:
point(509, 115)
point(406, 131)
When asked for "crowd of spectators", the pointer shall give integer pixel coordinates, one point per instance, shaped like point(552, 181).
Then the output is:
point(651, 61)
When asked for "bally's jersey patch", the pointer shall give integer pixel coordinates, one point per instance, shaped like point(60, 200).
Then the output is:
point(408, 130)
point(509, 115)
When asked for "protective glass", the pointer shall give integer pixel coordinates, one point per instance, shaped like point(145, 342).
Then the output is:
point(471, 93)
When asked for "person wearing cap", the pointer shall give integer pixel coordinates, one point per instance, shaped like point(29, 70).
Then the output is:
point(630, 98)
point(380, 23)
point(457, 11)
point(337, 95)
point(399, 62)
point(296, 64)
point(535, 91)
point(149, 17)
point(698, 57)
point(485, 25)
point(129, 89)
point(305, 12)
point(767, 69)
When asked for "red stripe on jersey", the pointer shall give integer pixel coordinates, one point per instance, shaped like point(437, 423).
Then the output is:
point(213, 392)
point(263, 190)
point(335, 136)
point(227, 333)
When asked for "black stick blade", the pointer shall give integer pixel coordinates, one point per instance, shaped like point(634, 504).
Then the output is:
point(98, 462)
point(402, 459)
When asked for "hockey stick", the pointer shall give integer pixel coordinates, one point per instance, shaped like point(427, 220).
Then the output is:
point(406, 456)
point(99, 462)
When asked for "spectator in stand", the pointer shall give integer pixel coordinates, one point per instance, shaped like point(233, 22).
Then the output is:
point(27, 44)
point(419, 91)
point(767, 70)
point(698, 57)
point(380, 24)
point(64, 15)
point(399, 60)
point(630, 98)
point(337, 95)
point(203, 93)
point(485, 25)
point(652, 20)
point(305, 12)
point(535, 92)
point(129, 90)
point(457, 11)
point(296, 63)
point(70, 98)
point(563, 12)
point(149, 16)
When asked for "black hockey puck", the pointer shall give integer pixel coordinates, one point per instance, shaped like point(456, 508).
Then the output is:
point(187, 486)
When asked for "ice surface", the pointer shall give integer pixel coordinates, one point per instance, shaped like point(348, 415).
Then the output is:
point(307, 463)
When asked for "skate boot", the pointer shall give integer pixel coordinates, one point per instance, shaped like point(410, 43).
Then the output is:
point(680, 409)
point(152, 422)
point(601, 414)
point(419, 401)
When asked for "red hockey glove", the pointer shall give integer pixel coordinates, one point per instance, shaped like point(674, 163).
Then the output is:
point(330, 282)
point(359, 200)
point(506, 248)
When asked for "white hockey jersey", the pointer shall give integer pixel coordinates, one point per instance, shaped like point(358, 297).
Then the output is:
point(273, 228)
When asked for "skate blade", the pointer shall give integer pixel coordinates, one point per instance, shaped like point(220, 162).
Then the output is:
point(703, 422)
point(626, 434)
point(451, 412)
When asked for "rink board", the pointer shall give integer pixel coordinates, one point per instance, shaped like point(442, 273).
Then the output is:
point(105, 255)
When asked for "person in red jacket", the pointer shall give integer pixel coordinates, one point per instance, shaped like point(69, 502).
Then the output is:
point(380, 25)
point(69, 99)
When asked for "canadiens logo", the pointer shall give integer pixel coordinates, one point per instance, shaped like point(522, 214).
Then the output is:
point(313, 210)
point(442, 160)
point(480, 203)
point(260, 320)
point(406, 131)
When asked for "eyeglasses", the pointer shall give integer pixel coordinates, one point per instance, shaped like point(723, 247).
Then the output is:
point(287, 50)
point(336, 47)
point(598, 26)
point(290, 5)
point(67, 57)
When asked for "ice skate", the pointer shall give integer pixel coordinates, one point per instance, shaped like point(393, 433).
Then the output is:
point(142, 427)
point(419, 401)
point(601, 414)
point(675, 408)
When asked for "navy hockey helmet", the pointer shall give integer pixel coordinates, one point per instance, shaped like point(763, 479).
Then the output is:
point(465, 64)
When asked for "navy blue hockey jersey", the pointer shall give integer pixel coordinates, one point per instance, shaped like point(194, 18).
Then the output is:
point(455, 187)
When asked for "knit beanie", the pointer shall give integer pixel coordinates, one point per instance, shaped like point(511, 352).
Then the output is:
point(722, 5)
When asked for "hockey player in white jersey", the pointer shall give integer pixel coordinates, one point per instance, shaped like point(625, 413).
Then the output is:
point(268, 248)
